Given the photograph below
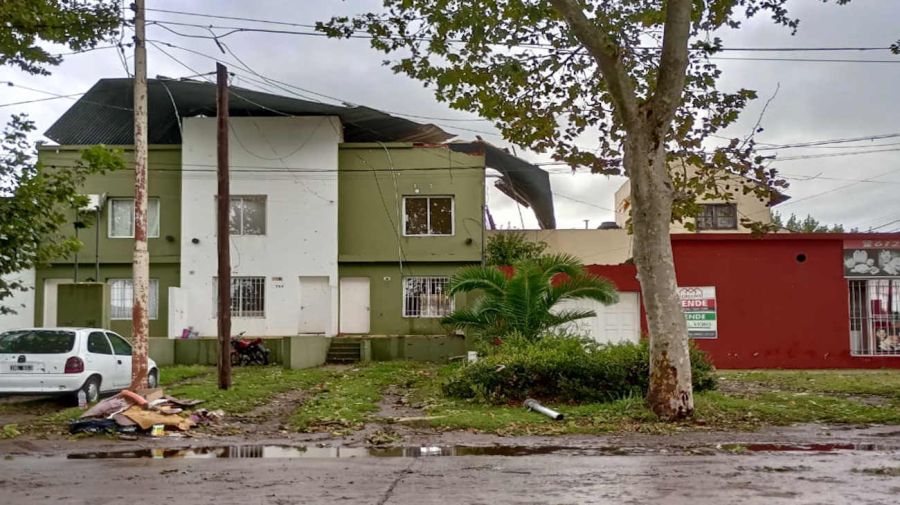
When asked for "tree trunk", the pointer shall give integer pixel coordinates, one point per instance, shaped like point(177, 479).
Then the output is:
point(670, 395)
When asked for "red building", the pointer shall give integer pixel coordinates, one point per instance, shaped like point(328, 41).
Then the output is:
point(787, 300)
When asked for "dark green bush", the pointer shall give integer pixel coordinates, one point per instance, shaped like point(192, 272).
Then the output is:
point(564, 368)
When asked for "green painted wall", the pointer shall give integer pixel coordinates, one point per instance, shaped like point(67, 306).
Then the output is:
point(370, 194)
point(83, 304)
point(434, 348)
point(164, 182)
point(305, 351)
point(205, 351)
point(386, 296)
point(167, 274)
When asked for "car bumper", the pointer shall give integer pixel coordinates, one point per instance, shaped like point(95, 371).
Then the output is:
point(40, 383)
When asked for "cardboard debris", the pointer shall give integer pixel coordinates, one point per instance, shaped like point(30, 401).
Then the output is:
point(128, 411)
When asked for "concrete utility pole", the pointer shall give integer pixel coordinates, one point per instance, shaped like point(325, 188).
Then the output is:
point(140, 322)
point(223, 203)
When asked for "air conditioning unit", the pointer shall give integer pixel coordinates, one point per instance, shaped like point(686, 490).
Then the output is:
point(95, 202)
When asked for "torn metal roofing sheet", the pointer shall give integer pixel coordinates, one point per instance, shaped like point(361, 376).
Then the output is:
point(524, 182)
point(104, 114)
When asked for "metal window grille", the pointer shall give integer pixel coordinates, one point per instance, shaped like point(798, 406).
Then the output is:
point(248, 297)
point(426, 297)
point(875, 317)
point(121, 295)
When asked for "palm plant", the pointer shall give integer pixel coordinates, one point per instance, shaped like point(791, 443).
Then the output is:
point(524, 302)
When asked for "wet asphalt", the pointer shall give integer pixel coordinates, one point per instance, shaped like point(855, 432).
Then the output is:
point(285, 475)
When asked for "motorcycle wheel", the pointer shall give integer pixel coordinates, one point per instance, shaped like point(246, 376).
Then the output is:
point(259, 357)
point(235, 359)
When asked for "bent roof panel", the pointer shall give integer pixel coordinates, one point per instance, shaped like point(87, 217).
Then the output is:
point(104, 114)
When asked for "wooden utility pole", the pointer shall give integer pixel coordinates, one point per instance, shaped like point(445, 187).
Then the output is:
point(141, 266)
point(223, 203)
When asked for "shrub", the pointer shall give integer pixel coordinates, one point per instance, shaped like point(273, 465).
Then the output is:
point(564, 368)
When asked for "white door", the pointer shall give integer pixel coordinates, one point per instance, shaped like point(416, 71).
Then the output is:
point(613, 324)
point(354, 317)
point(315, 305)
point(50, 298)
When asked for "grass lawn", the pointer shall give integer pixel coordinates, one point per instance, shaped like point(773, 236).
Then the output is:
point(342, 399)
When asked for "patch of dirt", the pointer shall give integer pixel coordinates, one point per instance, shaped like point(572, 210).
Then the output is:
point(395, 404)
point(270, 417)
point(751, 389)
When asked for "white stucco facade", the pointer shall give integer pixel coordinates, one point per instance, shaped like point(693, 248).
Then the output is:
point(291, 163)
point(22, 302)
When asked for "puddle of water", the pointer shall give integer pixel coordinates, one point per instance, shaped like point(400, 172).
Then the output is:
point(806, 447)
point(285, 451)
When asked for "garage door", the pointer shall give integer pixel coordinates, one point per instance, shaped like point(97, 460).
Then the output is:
point(616, 323)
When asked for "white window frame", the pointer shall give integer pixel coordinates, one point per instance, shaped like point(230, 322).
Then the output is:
point(153, 297)
point(422, 314)
point(109, 224)
point(428, 216)
point(240, 313)
point(264, 199)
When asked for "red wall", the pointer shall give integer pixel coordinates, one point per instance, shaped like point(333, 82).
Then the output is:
point(773, 310)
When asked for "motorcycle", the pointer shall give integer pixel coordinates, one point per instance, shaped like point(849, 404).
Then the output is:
point(248, 352)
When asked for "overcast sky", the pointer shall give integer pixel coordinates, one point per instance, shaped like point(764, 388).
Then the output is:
point(816, 101)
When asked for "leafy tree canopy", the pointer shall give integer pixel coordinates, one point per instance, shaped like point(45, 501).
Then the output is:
point(808, 224)
point(520, 64)
point(78, 24)
point(509, 248)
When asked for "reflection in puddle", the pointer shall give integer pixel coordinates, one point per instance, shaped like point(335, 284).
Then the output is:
point(805, 447)
point(285, 451)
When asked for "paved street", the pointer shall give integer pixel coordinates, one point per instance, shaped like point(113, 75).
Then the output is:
point(764, 478)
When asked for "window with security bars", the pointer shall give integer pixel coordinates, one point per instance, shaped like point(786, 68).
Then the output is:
point(717, 216)
point(248, 297)
point(428, 215)
point(121, 296)
point(875, 317)
point(426, 297)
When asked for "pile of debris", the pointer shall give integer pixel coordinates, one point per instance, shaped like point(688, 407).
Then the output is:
point(149, 411)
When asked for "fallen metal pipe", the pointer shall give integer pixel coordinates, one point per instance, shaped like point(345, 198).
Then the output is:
point(532, 404)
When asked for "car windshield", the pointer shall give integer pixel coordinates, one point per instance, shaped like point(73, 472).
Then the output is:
point(37, 342)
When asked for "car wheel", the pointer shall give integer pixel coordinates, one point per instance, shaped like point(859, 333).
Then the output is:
point(91, 389)
point(153, 379)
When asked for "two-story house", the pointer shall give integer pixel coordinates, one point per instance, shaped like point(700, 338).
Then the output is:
point(344, 220)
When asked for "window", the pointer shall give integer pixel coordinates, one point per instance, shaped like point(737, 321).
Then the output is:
point(426, 297)
point(875, 317)
point(247, 215)
point(120, 346)
point(98, 344)
point(428, 215)
point(248, 296)
point(718, 216)
point(36, 342)
point(121, 296)
point(121, 218)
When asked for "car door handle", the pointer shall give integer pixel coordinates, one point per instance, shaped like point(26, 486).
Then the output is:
point(120, 361)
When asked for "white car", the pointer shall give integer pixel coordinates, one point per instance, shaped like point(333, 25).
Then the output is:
point(66, 361)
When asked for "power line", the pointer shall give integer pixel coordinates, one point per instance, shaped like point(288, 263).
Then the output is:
point(808, 60)
point(366, 35)
point(843, 186)
point(811, 143)
point(835, 155)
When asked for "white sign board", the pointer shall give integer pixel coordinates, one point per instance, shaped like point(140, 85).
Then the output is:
point(699, 306)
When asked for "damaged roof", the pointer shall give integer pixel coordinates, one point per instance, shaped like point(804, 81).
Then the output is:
point(524, 182)
point(104, 114)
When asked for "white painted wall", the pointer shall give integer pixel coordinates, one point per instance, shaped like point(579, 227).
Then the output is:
point(301, 237)
point(21, 301)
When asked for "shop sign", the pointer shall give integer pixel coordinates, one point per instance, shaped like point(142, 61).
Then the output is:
point(872, 258)
point(699, 307)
